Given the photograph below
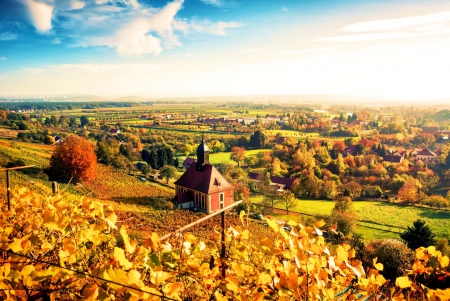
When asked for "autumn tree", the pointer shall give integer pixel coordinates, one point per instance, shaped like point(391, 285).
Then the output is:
point(237, 154)
point(168, 172)
point(409, 192)
point(74, 159)
point(288, 200)
point(343, 215)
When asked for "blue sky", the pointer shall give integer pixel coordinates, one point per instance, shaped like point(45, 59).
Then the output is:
point(391, 49)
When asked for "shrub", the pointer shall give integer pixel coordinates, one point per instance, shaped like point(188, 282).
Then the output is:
point(395, 256)
point(371, 191)
point(437, 201)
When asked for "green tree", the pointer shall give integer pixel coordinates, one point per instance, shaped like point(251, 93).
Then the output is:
point(419, 235)
point(288, 200)
point(168, 172)
point(258, 139)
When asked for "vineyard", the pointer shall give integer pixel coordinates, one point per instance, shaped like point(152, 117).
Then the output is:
point(56, 249)
point(113, 184)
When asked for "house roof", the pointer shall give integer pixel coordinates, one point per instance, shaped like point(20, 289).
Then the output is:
point(443, 139)
point(254, 176)
point(287, 182)
point(430, 129)
point(393, 158)
point(188, 161)
point(425, 152)
point(207, 180)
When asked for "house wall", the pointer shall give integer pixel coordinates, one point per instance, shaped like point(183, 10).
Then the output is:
point(422, 157)
point(228, 199)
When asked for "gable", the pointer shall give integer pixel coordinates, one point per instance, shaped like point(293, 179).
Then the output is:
point(205, 181)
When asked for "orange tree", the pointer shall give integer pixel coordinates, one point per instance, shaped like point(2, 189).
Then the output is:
point(56, 249)
point(74, 159)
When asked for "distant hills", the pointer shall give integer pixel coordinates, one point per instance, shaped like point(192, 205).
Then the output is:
point(442, 115)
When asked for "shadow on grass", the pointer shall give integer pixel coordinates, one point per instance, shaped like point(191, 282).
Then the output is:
point(435, 214)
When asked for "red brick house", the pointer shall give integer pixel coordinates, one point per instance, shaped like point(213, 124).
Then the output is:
point(202, 187)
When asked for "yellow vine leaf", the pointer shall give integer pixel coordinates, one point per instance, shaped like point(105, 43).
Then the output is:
point(119, 255)
point(341, 253)
point(319, 224)
point(111, 220)
point(126, 240)
point(153, 241)
point(90, 292)
point(15, 246)
point(133, 276)
point(241, 216)
point(403, 282)
point(444, 261)
point(273, 224)
point(379, 266)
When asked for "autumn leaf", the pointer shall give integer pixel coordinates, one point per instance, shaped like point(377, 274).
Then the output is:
point(403, 282)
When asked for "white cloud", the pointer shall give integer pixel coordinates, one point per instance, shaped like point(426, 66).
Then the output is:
point(394, 28)
point(218, 3)
point(284, 9)
point(251, 50)
point(41, 14)
point(8, 36)
point(56, 41)
point(398, 23)
point(293, 52)
point(369, 37)
point(217, 28)
point(2, 58)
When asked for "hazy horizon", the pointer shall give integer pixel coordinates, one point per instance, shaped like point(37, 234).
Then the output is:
point(387, 50)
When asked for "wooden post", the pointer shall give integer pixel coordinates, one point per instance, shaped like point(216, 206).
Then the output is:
point(55, 188)
point(222, 251)
point(8, 192)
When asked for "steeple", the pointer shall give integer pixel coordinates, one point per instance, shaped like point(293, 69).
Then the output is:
point(202, 154)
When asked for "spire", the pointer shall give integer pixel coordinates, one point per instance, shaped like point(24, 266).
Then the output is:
point(202, 154)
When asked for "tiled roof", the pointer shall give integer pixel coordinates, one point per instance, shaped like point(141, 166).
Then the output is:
point(188, 161)
point(425, 152)
point(287, 182)
point(203, 180)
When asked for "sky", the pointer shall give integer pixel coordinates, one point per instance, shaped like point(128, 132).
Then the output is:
point(392, 49)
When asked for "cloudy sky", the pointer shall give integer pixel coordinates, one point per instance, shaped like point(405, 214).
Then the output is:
point(386, 48)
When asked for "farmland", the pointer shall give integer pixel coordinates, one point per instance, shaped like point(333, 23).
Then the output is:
point(375, 213)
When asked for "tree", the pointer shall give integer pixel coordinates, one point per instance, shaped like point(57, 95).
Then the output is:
point(237, 154)
point(343, 215)
point(409, 191)
point(419, 235)
point(168, 172)
point(288, 200)
point(84, 121)
point(258, 139)
point(74, 159)
point(49, 140)
point(146, 169)
point(216, 146)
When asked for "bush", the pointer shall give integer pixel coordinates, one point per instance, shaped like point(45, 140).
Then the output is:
point(437, 201)
point(371, 191)
point(394, 255)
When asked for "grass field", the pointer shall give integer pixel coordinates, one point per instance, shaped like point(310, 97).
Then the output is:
point(224, 157)
point(379, 213)
point(292, 133)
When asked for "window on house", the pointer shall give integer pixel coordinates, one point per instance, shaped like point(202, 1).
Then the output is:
point(196, 199)
point(179, 190)
point(184, 190)
point(221, 199)
point(203, 201)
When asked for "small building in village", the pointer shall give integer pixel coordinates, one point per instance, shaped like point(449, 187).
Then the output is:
point(202, 187)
